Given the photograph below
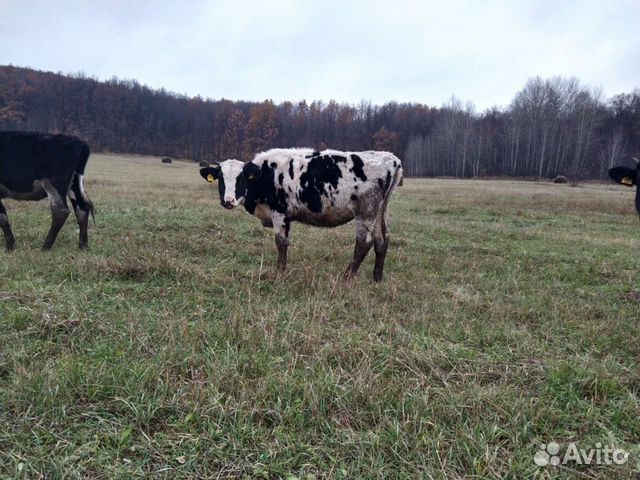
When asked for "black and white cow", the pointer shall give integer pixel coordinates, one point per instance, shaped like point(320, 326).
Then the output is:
point(628, 177)
point(325, 189)
point(34, 166)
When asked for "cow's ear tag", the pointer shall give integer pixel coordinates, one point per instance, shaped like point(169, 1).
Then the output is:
point(628, 181)
point(252, 176)
point(210, 178)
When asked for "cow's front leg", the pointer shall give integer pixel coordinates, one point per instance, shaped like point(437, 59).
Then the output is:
point(9, 239)
point(281, 226)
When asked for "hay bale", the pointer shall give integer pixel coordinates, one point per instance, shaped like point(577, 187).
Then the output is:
point(560, 179)
point(166, 160)
point(204, 164)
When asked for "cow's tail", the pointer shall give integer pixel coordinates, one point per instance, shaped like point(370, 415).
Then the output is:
point(77, 184)
point(399, 177)
point(395, 181)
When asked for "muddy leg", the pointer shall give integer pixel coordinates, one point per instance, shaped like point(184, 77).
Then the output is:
point(281, 226)
point(364, 240)
point(380, 245)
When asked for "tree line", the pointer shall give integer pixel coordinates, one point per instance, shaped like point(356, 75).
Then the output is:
point(552, 126)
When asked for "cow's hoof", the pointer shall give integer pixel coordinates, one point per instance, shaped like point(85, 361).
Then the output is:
point(46, 248)
point(348, 276)
point(10, 247)
point(83, 246)
point(377, 274)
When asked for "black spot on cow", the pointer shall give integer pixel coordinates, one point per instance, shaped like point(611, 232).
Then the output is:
point(384, 184)
point(321, 170)
point(252, 172)
point(316, 153)
point(357, 169)
point(281, 178)
point(291, 168)
point(354, 197)
point(241, 186)
point(339, 158)
point(280, 204)
point(262, 189)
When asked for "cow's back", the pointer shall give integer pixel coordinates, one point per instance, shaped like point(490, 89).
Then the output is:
point(325, 188)
point(29, 156)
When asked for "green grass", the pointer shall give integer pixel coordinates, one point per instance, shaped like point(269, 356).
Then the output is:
point(509, 317)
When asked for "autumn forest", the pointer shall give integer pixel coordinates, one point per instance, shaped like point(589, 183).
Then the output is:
point(552, 126)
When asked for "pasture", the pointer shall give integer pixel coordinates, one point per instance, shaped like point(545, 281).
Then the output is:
point(508, 318)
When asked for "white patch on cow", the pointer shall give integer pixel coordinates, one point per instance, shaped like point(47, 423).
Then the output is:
point(82, 192)
point(231, 169)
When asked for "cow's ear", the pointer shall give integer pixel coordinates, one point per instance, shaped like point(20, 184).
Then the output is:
point(625, 176)
point(211, 172)
point(251, 172)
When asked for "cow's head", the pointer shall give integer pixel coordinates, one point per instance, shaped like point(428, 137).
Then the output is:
point(629, 177)
point(231, 181)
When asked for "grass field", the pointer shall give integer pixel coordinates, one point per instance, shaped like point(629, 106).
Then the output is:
point(508, 318)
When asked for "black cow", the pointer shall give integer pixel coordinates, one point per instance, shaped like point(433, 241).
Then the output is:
point(34, 166)
point(628, 177)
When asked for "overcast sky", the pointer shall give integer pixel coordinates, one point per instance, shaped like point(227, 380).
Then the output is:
point(423, 51)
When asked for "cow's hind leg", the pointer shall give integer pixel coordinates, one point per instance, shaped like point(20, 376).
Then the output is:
point(59, 213)
point(82, 210)
point(82, 216)
point(9, 239)
point(380, 245)
point(364, 240)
